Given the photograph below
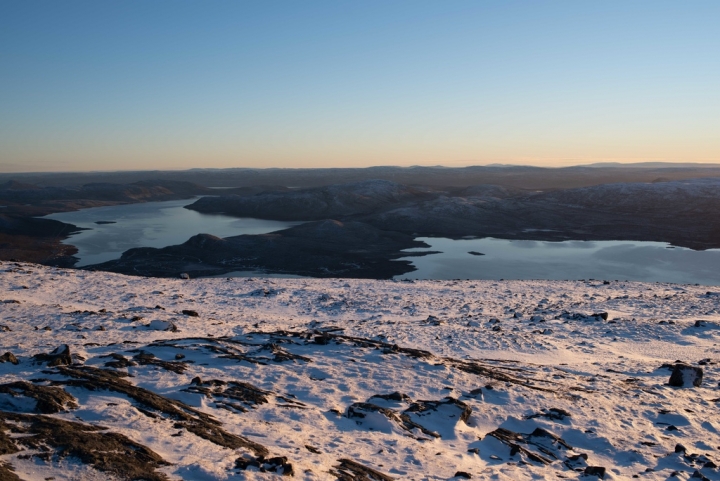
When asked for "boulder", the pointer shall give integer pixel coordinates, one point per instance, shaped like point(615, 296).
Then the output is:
point(684, 375)
point(9, 357)
point(59, 357)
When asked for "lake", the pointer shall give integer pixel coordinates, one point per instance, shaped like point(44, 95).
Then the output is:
point(521, 259)
point(161, 224)
point(150, 224)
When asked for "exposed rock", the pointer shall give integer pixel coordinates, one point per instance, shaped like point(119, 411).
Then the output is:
point(59, 357)
point(120, 361)
point(540, 446)
point(146, 358)
point(9, 357)
point(552, 413)
point(48, 399)
point(237, 395)
point(476, 393)
point(190, 313)
point(349, 470)
point(425, 408)
point(108, 452)
point(598, 471)
point(365, 411)
point(684, 375)
point(7, 472)
point(155, 405)
point(277, 464)
point(394, 396)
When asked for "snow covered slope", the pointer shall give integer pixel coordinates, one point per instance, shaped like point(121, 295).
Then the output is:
point(353, 379)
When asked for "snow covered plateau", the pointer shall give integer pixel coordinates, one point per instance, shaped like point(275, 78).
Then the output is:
point(106, 376)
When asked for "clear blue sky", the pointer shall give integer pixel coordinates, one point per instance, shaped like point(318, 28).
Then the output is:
point(110, 85)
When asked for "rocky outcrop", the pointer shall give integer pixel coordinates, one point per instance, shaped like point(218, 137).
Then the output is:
point(684, 375)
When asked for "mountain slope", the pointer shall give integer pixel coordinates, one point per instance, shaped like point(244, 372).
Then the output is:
point(332, 379)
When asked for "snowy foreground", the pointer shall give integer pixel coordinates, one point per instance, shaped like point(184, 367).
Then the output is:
point(353, 379)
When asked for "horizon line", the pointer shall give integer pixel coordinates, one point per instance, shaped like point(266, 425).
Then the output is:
point(659, 164)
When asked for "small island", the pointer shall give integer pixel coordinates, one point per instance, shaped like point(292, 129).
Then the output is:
point(103, 222)
point(475, 253)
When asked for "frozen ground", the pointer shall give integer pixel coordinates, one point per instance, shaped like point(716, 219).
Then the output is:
point(353, 379)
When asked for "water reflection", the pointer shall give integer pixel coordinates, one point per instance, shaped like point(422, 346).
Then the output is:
point(511, 259)
point(151, 224)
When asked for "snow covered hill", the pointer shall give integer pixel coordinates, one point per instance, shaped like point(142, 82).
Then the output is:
point(106, 376)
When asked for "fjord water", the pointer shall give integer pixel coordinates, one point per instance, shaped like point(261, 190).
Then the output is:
point(161, 224)
point(524, 259)
point(150, 224)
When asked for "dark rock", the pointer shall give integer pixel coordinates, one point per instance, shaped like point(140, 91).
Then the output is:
point(463, 474)
point(108, 452)
point(552, 413)
point(120, 361)
point(423, 407)
point(598, 471)
point(349, 470)
point(679, 448)
point(9, 357)
point(7, 472)
point(403, 421)
point(154, 405)
point(277, 464)
point(145, 358)
point(395, 396)
point(477, 392)
point(59, 357)
point(190, 313)
point(684, 375)
point(49, 399)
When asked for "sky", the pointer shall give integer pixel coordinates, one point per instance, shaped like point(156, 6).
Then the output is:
point(128, 85)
